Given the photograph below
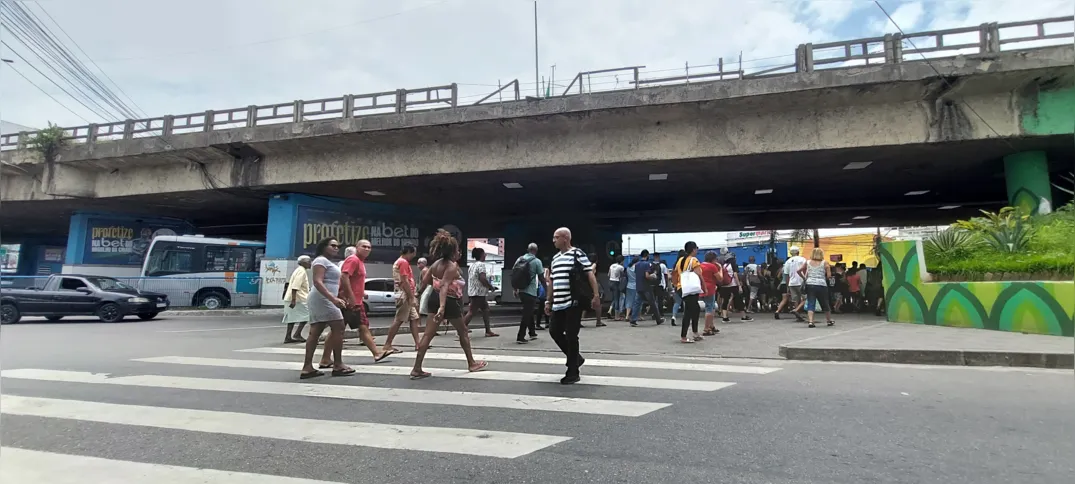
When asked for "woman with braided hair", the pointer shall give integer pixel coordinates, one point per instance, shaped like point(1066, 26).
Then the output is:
point(445, 301)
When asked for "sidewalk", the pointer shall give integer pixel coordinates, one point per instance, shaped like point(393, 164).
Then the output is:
point(854, 338)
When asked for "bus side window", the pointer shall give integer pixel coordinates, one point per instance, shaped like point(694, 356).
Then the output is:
point(229, 259)
point(170, 262)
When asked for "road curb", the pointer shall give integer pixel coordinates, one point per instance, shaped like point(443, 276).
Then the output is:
point(932, 357)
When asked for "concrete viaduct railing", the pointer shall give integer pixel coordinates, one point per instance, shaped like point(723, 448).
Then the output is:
point(889, 49)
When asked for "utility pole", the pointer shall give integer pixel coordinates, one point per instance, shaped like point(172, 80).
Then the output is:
point(537, 87)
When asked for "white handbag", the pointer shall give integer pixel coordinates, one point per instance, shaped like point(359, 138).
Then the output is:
point(689, 282)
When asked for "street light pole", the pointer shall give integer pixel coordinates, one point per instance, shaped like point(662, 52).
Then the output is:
point(537, 86)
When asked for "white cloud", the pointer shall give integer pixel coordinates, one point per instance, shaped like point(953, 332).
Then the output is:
point(907, 16)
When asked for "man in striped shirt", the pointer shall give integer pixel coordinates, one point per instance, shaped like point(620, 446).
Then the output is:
point(566, 312)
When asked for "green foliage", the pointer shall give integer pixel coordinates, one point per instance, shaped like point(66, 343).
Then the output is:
point(1006, 242)
point(952, 244)
point(48, 142)
point(1007, 231)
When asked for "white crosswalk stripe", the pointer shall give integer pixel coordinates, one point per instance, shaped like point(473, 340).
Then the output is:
point(431, 439)
point(542, 393)
point(21, 465)
point(657, 383)
point(349, 392)
point(548, 360)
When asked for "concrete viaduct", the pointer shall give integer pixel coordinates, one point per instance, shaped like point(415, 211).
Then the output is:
point(889, 142)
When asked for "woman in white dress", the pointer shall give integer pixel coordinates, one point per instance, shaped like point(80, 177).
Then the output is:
point(296, 311)
point(325, 310)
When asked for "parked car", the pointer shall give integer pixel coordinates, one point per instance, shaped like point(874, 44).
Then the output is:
point(380, 296)
point(79, 295)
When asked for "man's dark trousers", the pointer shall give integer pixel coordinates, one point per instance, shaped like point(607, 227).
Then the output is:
point(564, 330)
point(527, 322)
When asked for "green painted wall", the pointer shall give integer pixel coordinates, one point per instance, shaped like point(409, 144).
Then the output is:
point(1028, 307)
point(1053, 113)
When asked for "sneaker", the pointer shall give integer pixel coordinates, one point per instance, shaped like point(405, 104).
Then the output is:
point(673, 321)
point(634, 323)
point(725, 320)
point(569, 379)
point(747, 318)
point(521, 341)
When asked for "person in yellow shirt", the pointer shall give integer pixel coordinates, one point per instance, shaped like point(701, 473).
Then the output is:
point(295, 308)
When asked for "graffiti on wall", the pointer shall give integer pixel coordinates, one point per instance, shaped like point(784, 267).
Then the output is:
point(1021, 306)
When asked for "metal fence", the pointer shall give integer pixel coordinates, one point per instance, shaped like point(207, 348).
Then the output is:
point(205, 292)
point(888, 49)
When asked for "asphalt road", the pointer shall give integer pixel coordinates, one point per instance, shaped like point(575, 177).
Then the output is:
point(214, 414)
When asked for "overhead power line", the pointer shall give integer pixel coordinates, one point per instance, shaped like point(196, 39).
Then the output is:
point(68, 71)
point(32, 83)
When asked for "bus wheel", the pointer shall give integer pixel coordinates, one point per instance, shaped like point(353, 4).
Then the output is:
point(213, 300)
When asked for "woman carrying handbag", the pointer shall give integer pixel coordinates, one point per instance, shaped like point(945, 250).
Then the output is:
point(688, 280)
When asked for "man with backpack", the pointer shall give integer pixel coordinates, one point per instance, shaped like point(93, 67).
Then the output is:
point(524, 278)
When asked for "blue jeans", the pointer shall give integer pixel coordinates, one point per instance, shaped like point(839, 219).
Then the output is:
point(636, 308)
point(617, 297)
point(678, 305)
point(629, 298)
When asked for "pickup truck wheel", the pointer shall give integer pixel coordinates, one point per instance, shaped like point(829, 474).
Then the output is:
point(53, 318)
point(9, 314)
point(110, 312)
point(147, 316)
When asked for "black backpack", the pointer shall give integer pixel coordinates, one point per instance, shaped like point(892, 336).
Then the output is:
point(520, 272)
point(581, 291)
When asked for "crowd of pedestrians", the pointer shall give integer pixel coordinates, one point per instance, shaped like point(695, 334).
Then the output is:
point(555, 294)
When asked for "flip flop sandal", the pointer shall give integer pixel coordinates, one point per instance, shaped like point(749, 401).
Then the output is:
point(491, 335)
point(424, 374)
point(687, 342)
point(481, 366)
point(394, 351)
point(312, 374)
point(325, 367)
point(347, 372)
point(382, 357)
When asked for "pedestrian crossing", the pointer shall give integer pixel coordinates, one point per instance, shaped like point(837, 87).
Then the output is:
point(272, 372)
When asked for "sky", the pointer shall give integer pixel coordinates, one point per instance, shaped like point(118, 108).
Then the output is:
point(186, 56)
point(183, 56)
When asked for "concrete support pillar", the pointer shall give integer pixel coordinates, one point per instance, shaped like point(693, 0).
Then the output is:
point(1027, 177)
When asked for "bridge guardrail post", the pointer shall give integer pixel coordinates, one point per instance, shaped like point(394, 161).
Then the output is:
point(297, 112)
point(24, 138)
point(994, 38)
point(169, 125)
point(455, 94)
point(348, 106)
point(401, 100)
point(91, 134)
point(209, 115)
point(251, 115)
point(128, 129)
point(804, 58)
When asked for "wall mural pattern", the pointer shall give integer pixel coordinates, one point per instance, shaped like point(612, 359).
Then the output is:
point(1046, 307)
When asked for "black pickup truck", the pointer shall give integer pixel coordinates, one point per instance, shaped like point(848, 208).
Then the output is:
point(78, 295)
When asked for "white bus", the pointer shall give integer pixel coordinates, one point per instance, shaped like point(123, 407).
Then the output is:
point(204, 272)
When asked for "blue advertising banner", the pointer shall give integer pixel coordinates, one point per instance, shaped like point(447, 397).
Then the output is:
point(122, 242)
point(387, 237)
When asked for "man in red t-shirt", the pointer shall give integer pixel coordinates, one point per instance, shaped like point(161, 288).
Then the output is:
point(353, 291)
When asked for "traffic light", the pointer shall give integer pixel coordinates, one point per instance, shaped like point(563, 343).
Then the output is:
point(612, 248)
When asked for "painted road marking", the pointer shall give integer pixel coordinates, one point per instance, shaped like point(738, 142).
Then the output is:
point(486, 443)
point(550, 360)
point(615, 381)
point(20, 465)
point(348, 392)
